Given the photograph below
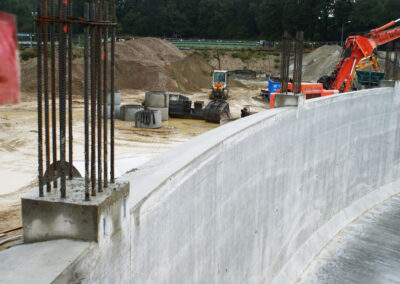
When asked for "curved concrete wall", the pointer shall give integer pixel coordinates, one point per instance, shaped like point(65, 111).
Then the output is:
point(255, 200)
point(252, 201)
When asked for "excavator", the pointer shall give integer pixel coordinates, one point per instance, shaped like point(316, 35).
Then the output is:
point(358, 53)
point(219, 88)
point(218, 108)
point(219, 84)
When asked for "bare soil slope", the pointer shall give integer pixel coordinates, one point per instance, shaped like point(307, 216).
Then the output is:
point(145, 64)
point(320, 62)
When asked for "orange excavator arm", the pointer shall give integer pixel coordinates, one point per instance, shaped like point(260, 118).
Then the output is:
point(358, 47)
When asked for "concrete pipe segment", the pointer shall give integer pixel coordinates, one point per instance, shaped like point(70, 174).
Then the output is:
point(117, 111)
point(117, 98)
point(128, 112)
point(164, 112)
point(148, 119)
point(156, 99)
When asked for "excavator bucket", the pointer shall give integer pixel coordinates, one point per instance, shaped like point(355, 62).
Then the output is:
point(217, 110)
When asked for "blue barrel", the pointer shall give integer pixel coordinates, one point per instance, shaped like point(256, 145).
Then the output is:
point(273, 87)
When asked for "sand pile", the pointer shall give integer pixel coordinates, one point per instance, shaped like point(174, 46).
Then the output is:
point(148, 51)
point(320, 62)
point(29, 78)
point(192, 73)
point(145, 64)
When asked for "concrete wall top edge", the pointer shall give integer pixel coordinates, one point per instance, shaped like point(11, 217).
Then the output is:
point(258, 189)
point(147, 178)
point(352, 95)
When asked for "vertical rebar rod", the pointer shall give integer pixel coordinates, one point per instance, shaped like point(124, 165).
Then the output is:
point(39, 98)
point(70, 115)
point(93, 100)
point(285, 56)
point(105, 102)
point(99, 99)
point(46, 97)
point(388, 61)
point(395, 64)
point(62, 92)
point(86, 101)
point(112, 154)
point(298, 62)
point(53, 93)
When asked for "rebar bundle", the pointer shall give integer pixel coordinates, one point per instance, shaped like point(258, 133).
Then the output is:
point(298, 62)
point(285, 59)
point(97, 24)
point(396, 73)
point(286, 49)
point(392, 62)
point(388, 62)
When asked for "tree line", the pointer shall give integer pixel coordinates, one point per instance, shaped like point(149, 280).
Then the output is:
point(321, 20)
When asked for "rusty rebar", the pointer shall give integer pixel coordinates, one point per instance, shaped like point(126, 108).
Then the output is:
point(46, 98)
point(388, 60)
point(93, 100)
point(112, 154)
point(396, 58)
point(62, 93)
point(298, 62)
point(73, 21)
point(96, 25)
point(53, 93)
point(86, 101)
point(70, 115)
point(105, 103)
point(285, 58)
point(39, 99)
point(99, 99)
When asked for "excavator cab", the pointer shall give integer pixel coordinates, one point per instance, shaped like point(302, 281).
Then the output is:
point(219, 86)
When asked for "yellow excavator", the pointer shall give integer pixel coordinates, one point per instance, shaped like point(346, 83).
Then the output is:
point(219, 87)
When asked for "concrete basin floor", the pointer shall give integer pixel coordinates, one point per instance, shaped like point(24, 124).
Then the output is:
point(366, 251)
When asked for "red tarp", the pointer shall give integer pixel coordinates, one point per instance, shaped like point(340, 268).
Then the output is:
point(9, 64)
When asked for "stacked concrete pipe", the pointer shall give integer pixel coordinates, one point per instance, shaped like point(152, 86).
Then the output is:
point(158, 100)
point(128, 112)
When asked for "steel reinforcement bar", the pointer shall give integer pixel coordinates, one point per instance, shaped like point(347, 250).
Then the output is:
point(98, 22)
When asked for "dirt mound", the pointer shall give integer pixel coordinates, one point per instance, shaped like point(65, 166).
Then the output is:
point(29, 78)
point(192, 73)
point(149, 51)
point(320, 62)
point(146, 64)
point(236, 84)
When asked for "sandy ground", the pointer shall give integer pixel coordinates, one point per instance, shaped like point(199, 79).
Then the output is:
point(18, 141)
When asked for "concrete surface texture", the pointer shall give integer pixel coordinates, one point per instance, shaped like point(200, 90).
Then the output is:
point(254, 200)
point(49, 217)
point(289, 99)
point(238, 203)
point(367, 251)
point(39, 262)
